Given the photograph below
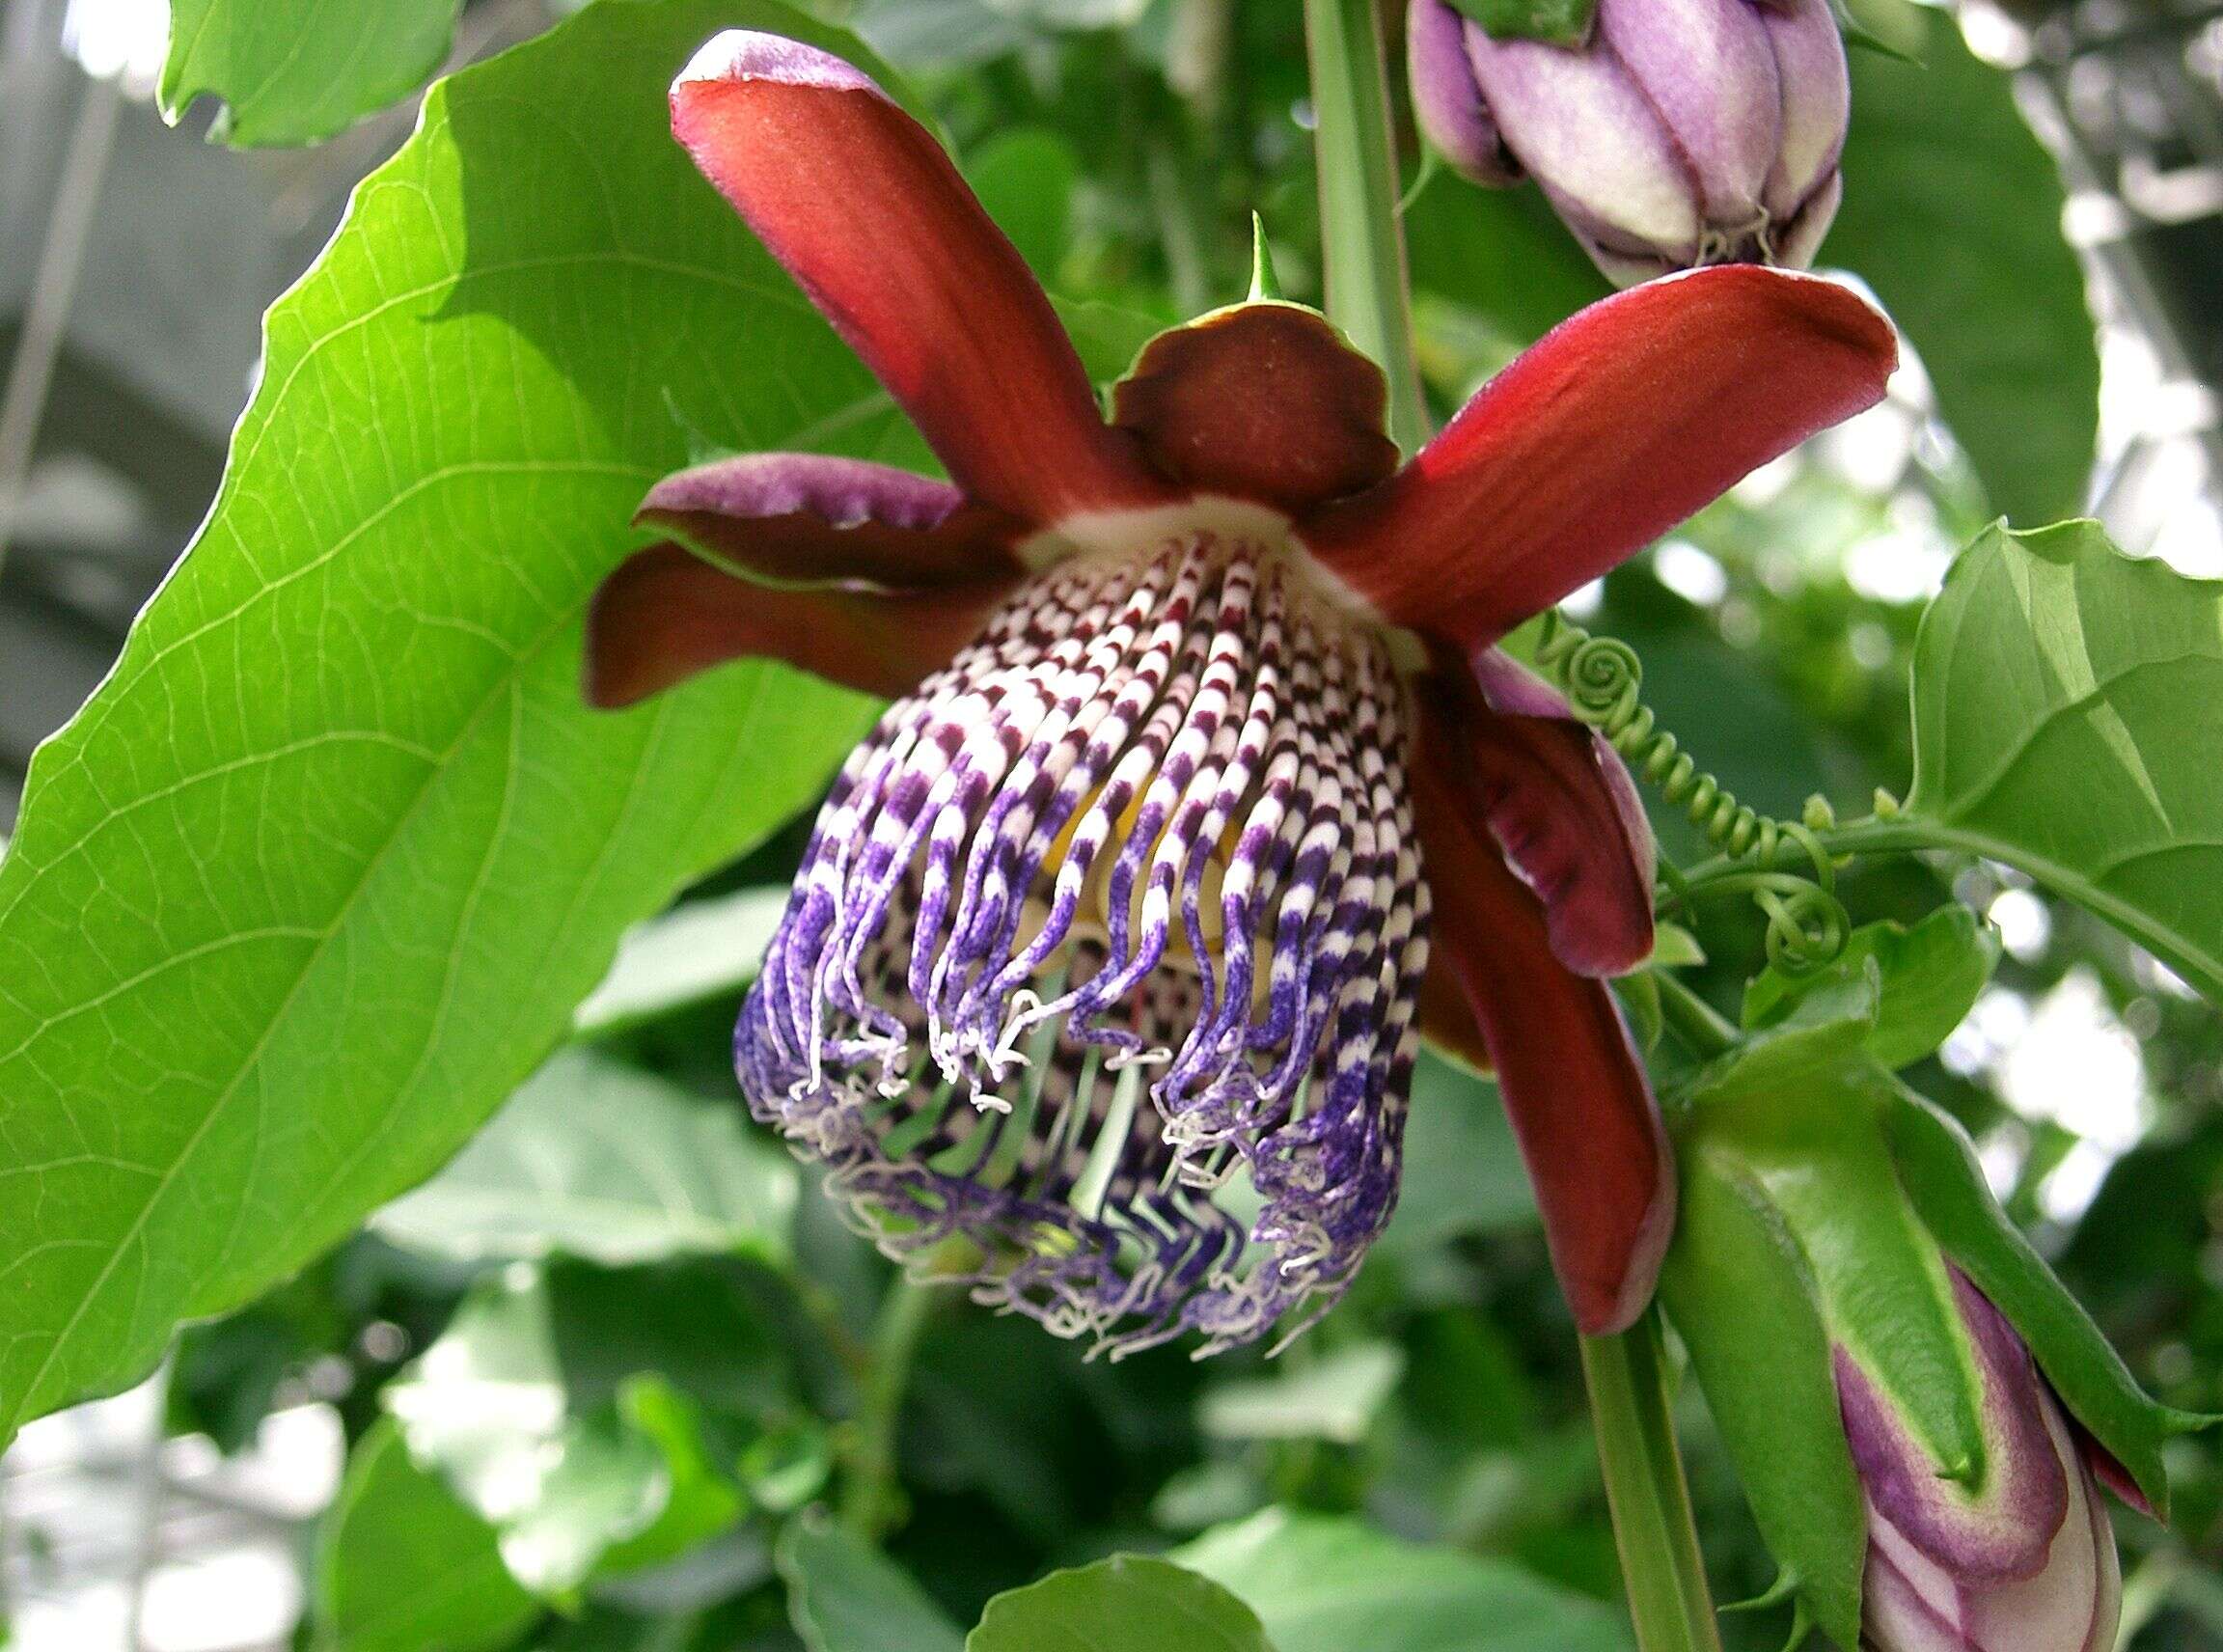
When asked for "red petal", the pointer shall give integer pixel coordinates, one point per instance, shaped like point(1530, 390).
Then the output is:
point(1617, 425)
point(666, 615)
point(1574, 1087)
point(1263, 401)
point(860, 205)
point(810, 518)
point(1564, 809)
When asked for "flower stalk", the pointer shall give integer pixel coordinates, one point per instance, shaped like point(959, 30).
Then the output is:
point(1662, 1567)
point(1367, 280)
point(1361, 239)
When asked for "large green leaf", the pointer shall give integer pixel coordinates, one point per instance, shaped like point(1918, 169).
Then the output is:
point(291, 72)
point(1128, 1602)
point(604, 1162)
point(1322, 1584)
point(2068, 717)
point(317, 876)
point(845, 1596)
point(1953, 214)
point(402, 1566)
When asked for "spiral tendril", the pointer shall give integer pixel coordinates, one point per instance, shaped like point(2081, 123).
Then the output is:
point(1604, 680)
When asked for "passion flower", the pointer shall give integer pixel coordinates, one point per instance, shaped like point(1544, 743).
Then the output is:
point(1205, 792)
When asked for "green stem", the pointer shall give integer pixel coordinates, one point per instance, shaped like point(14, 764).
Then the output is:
point(868, 1497)
point(1697, 1023)
point(1660, 1565)
point(1361, 237)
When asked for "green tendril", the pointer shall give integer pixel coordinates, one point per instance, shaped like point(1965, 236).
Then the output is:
point(1603, 681)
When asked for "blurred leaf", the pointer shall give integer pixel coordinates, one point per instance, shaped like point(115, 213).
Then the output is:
point(1953, 214)
point(845, 1596)
point(291, 72)
point(1938, 1165)
point(402, 1566)
point(1930, 978)
point(579, 1472)
point(1335, 1397)
point(1126, 1604)
point(319, 875)
point(1560, 22)
point(1322, 1584)
point(2068, 713)
point(1500, 252)
point(1462, 1170)
point(604, 1162)
point(703, 950)
point(1024, 176)
point(1108, 337)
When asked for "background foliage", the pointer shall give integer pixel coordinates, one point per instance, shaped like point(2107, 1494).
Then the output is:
point(324, 879)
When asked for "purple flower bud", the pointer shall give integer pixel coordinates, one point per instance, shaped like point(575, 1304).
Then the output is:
point(1683, 132)
point(2014, 1557)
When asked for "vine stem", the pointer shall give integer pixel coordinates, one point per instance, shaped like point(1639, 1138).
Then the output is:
point(1362, 237)
point(1660, 1565)
point(868, 1495)
point(1900, 835)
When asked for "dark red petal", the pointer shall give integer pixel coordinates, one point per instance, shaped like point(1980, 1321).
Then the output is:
point(1615, 426)
point(1580, 1104)
point(666, 615)
point(1263, 401)
point(814, 519)
point(1564, 808)
point(860, 205)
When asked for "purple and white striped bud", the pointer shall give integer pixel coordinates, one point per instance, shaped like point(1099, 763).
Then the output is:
point(2022, 1560)
point(1683, 132)
point(1099, 983)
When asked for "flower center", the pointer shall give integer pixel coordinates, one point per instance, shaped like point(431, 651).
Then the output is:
point(1105, 952)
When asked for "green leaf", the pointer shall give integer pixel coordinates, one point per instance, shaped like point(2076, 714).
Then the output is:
point(1743, 1301)
point(703, 950)
point(1930, 974)
point(1560, 22)
point(2068, 713)
point(1952, 213)
point(604, 1162)
point(1501, 253)
point(402, 1566)
point(577, 1475)
point(845, 1596)
point(291, 72)
point(1938, 1166)
point(1024, 176)
point(1335, 1397)
point(1109, 337)
point(1328, 1584)
point(317, 876)
point(1128, 1602)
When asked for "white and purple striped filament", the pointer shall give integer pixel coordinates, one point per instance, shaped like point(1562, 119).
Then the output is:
point(1098, 986)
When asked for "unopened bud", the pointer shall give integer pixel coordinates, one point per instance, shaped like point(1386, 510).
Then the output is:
point(2024, 1562)
point(1683, 132)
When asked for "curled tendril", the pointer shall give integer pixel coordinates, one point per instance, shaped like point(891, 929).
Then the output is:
point(1604, 680)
